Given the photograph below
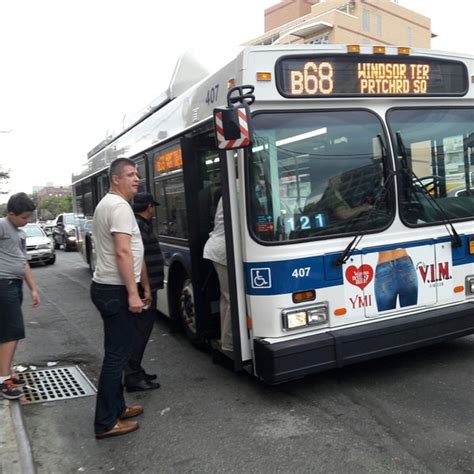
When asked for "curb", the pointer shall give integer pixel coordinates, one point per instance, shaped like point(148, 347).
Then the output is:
point(23, 442)
point(16, 456)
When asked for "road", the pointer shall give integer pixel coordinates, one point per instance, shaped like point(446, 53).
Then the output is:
point(407, 413)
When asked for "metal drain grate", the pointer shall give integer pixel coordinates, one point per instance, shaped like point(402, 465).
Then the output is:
point(60, 383)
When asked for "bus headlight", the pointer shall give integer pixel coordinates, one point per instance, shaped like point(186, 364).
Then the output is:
point(304, 317)
point(295, 319)
point(318, 315)
point(470, 285)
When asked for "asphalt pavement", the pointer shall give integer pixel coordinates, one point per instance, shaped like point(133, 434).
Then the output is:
point(407, 413)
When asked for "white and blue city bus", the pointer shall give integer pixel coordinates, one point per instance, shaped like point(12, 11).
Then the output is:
point(349, 218)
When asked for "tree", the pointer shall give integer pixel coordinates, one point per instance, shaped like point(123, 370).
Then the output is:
point(4, 177)
point(52, 206)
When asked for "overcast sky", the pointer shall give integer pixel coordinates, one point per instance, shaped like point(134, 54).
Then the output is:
point(72, 69)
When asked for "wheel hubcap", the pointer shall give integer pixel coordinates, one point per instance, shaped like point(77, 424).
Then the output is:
point(188, 315)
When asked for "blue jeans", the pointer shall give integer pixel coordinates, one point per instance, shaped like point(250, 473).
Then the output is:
point(112, 303)
point(396, 278)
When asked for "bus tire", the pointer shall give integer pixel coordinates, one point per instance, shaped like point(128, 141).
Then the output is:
point(187, 310)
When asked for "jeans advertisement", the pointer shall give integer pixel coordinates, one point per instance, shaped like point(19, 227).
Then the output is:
point(392, 280)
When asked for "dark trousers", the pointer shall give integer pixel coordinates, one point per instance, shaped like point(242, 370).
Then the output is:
point(143, 325)
point(12, 327)
point(112, 303)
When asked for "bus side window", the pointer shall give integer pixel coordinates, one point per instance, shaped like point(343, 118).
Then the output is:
point(171, 212)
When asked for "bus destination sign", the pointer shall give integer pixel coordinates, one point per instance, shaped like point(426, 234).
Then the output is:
point(361, 76)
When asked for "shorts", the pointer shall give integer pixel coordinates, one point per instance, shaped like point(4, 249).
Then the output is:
point(12, 327)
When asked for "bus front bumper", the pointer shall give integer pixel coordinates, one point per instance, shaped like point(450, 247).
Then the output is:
point(282, 361)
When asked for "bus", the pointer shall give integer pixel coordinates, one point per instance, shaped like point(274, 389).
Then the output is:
point(349, 217)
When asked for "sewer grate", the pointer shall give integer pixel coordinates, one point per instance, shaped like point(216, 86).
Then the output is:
point(60, 383)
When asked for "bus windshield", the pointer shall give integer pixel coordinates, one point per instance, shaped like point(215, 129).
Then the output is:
point(436, 163)
point(317, 173)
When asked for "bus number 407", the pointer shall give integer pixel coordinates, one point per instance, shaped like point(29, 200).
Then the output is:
point(211, 95)
point(301, 272)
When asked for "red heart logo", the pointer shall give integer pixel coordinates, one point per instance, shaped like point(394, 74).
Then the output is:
point(361, 276)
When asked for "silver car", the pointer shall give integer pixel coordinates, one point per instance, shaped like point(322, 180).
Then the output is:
point(39, 246)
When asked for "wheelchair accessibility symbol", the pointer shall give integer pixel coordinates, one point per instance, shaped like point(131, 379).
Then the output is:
point(261, 278)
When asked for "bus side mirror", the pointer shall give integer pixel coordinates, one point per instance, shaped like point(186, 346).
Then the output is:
point(232, 127)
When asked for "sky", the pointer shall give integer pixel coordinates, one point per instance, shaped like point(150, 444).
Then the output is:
point(72, 70)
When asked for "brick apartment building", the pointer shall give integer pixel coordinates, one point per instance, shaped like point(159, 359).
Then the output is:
point(53, 191)
point(378, 22)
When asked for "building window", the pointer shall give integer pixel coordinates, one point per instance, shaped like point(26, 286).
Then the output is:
point(378, 25)
point(366, 20)
point(320, 39)
point(348, 7)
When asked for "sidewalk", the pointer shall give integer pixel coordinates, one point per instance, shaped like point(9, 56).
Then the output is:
point(15, 450)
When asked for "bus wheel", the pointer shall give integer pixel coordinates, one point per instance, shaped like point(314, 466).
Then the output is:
point(187, 312)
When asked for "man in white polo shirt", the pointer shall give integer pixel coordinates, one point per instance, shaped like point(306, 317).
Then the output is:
point(114, 292)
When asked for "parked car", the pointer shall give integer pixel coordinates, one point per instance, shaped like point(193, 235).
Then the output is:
point(48, 226)
point(64, 232)
point(39, 247)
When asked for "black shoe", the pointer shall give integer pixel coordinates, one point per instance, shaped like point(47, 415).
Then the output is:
point(149, 377)
point(141, 386)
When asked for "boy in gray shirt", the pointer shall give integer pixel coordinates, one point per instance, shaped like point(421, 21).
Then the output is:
point(14, 268)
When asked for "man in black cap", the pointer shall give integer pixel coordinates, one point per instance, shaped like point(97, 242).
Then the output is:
point(136, 379)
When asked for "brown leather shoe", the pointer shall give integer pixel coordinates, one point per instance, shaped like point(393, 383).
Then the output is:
point(132, 411)
point(122, 427)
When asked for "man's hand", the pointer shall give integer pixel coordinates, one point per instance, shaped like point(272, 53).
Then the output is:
point(36, 299)
point(147, 296)
point(146, 303)
point(146, 299)
point(135, 304)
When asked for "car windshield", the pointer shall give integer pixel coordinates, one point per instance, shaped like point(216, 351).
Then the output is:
point(436, 160)
point(314, 174)
point(33, 231)
point(69, 219)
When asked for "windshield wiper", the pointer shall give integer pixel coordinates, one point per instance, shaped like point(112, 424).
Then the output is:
point(456, 241)
point(378, 198)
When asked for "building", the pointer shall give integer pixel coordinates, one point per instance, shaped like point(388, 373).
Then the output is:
point(49, 210)
point(377, 22)
point(53, 191)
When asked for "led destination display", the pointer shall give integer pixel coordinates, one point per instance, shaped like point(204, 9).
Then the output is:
point(325, 76)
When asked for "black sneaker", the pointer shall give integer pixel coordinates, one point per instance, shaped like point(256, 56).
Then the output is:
point(16, 381)
point(9, 390)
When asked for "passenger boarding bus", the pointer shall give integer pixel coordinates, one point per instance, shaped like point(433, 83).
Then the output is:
point(349, 217)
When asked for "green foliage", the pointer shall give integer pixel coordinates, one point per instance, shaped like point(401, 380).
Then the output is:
point(4, 177)
point(51, 207)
